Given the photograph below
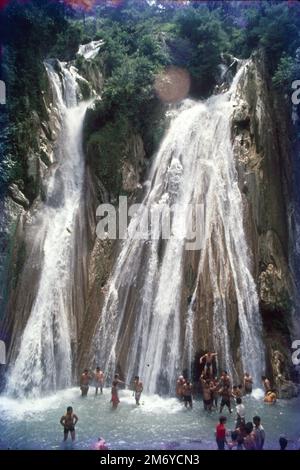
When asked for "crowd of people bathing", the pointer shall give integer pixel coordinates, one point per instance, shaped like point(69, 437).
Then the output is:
point(250, 435)
point(213, 388)
point(245, 435)
point(98, 379)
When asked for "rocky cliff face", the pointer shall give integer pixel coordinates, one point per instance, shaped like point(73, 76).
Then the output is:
point(15, 234)
point(261, 133)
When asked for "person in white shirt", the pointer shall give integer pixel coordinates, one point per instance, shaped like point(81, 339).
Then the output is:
point(259, 433)
point(240, 412)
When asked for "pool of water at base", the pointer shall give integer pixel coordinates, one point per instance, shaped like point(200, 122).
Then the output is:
point(158, 423)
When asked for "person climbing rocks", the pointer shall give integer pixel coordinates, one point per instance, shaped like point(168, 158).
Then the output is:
point(208, 366)
point(188, 394)
point(99, 380)
point(221, 433)
point(138, 388)
point(248, 382)
point(85, 382)
point(68, 421)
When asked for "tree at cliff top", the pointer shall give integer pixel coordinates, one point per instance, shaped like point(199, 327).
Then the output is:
point(29, 31)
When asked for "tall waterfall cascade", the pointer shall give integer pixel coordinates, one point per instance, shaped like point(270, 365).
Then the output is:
point(44, 360)
point(145, 318)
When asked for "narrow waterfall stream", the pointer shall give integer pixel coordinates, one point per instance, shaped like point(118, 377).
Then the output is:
point(142, 314)
point(44, 360)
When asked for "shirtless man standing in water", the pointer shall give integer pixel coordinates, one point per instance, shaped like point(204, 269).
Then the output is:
point(99, 380)
point(138, 388)
point(68, 421)
point(84, 383)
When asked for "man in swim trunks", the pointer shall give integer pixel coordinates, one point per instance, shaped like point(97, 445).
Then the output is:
point(248, 382)
point(187, 394)
point(179, 387)
point(225, 379)
point(226, 395)
point(206, 393)
point(208, 367)
point(68, 421)
point(84, 383)
point(138, 388)
point(99, 380)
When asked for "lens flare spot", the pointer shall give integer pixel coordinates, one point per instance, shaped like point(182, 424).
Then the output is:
point(173, 84)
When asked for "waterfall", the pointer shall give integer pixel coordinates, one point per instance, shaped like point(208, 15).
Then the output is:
point(44, 359)
point(145, 326)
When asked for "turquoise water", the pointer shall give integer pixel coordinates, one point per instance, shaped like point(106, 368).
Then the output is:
point(159, 423)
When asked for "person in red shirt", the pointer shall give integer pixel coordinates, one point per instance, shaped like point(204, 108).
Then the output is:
point(221, 433)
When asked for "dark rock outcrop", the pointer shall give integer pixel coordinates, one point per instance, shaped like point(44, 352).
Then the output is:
point(261, 138)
